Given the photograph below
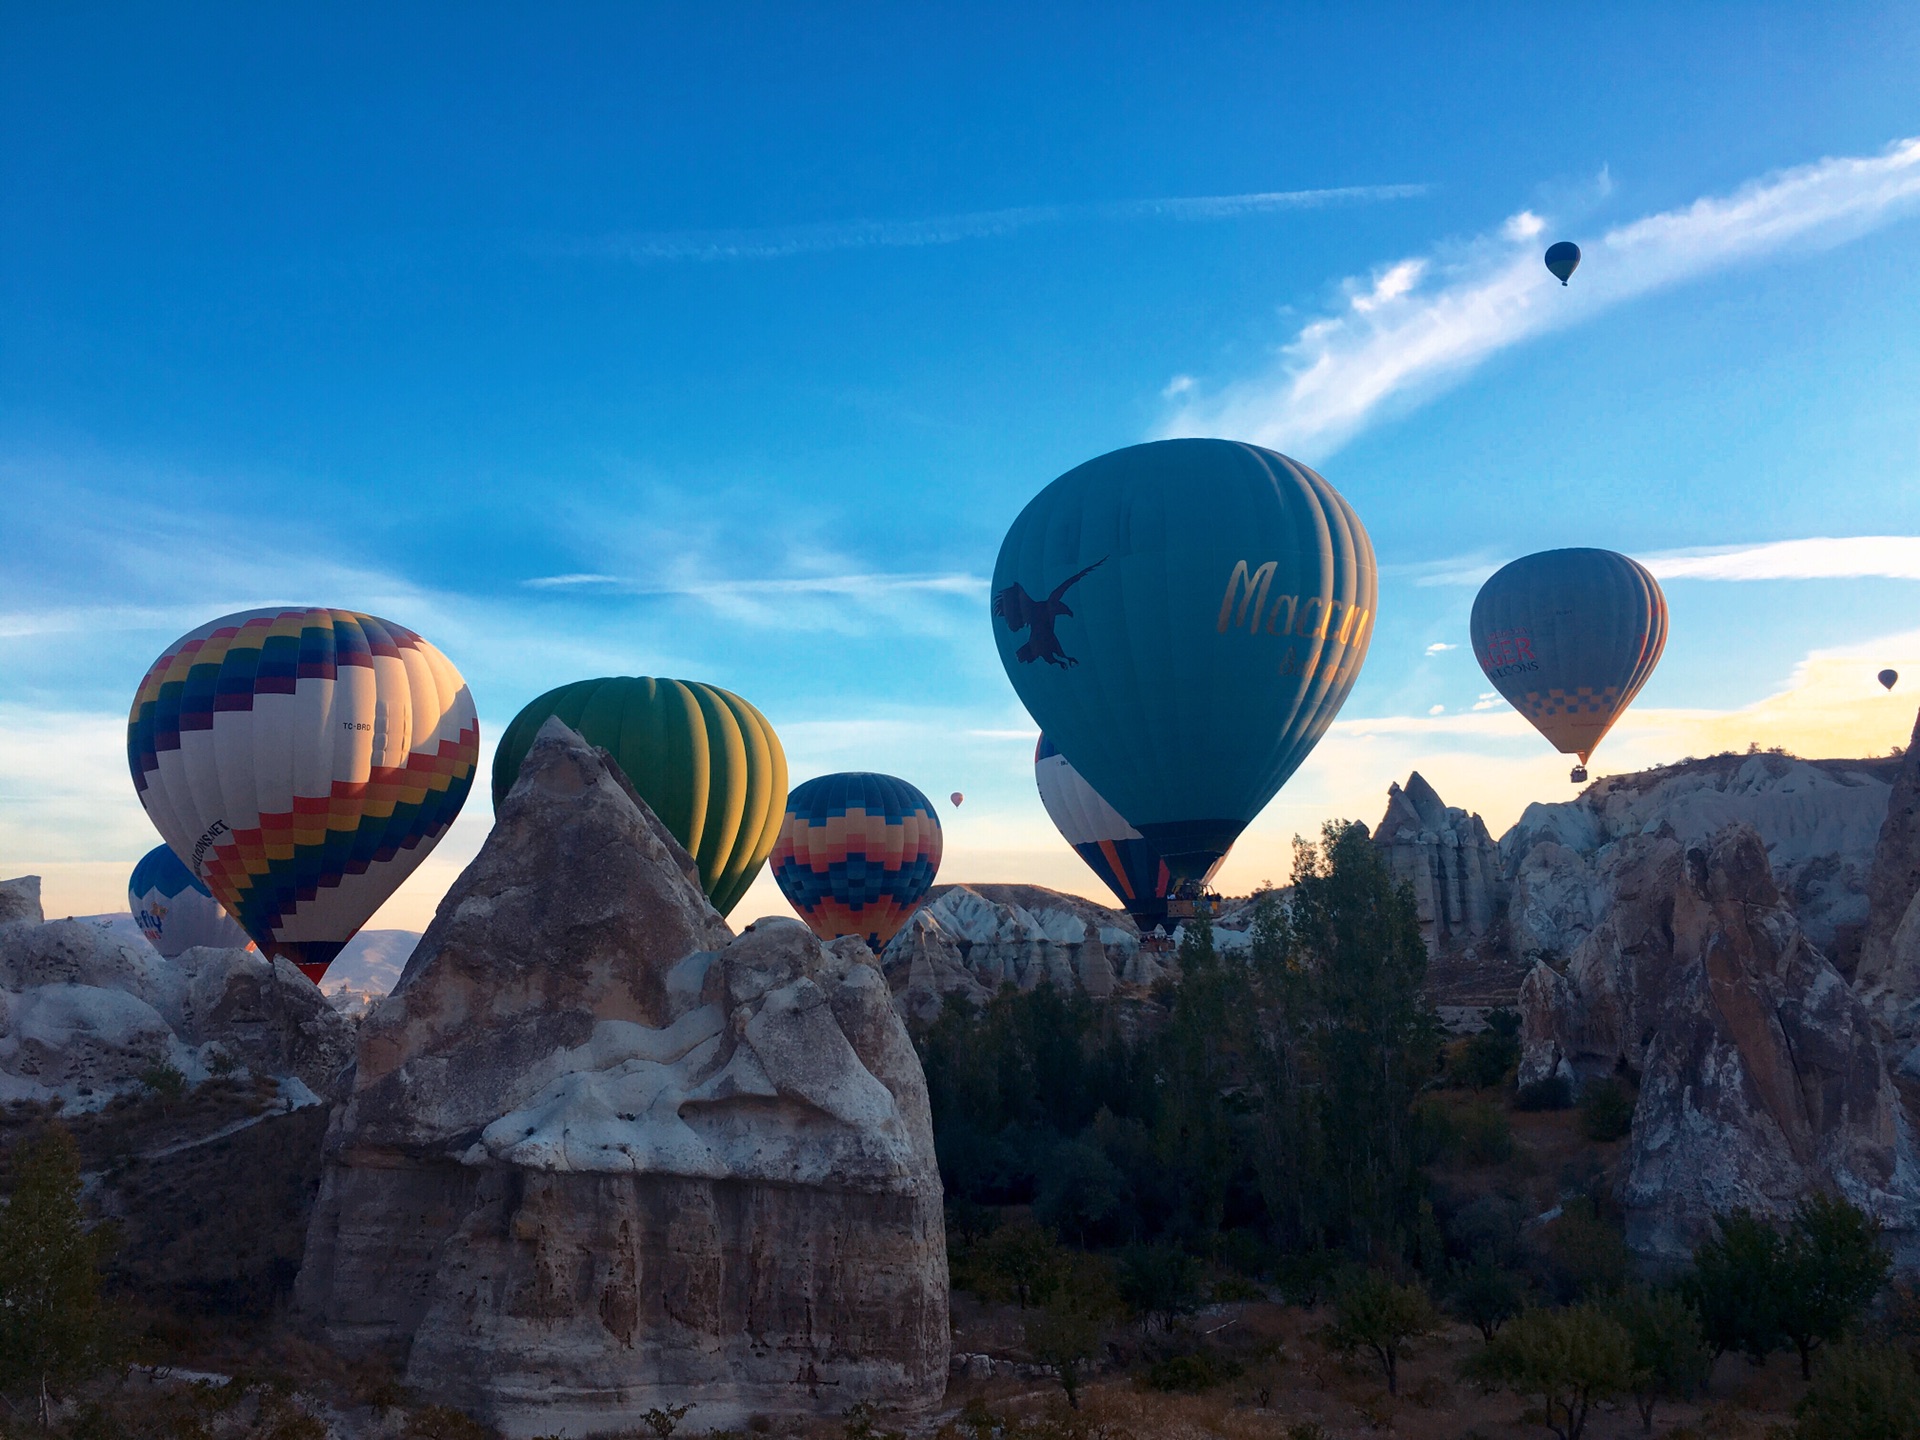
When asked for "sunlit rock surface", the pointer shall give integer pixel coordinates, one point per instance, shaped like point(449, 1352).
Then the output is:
point(1760, 1075)
point(85, 1013)
point(601, 1155)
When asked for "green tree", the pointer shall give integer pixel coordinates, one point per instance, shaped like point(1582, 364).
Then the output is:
point(1065, 1336)
point(1488, 1056)
point(1860, 1393)
point(1735, 1286)
point(1670, 1358)
point(1022, 1263)
point(1158, 1281)
point(53, 1330)
point(1606, 1111)
point(1832, 1267)
point(1372, 1313)
point(1485, 1295)
point(1570, 1359)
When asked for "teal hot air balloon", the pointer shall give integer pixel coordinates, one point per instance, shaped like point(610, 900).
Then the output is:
point(1184, 620)
point(1569, 637)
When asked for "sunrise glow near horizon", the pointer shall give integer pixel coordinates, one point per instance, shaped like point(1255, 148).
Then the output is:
point(594, 344)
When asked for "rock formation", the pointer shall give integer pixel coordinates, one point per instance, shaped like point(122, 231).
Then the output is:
point(972, 939)
point(83, 1012)
point(1889, 970)
point(1448, 858)
point(1760, 1075)
point(1818, 820)
point(600, 1155)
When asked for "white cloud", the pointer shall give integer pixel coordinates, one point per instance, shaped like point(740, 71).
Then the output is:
point(1400, 338)
point(1440, 647)
point(1179, 385)
point(1436, 710)
point(1848, 557)
point(780, 241)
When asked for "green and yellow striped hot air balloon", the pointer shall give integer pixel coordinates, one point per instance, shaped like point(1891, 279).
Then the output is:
point(706, 761)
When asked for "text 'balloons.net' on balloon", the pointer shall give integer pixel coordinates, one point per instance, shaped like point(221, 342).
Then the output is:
point(302, 762)
point(1888, 679)
point(705, 760)
point(1184, 620)
point(1563, 258)
point(856, 854)
point(175, 911)
point(1115, 851)
point(1569, 637)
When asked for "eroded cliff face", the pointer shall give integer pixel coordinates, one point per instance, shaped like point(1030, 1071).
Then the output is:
point(600, 1154)
point(1761, 1076)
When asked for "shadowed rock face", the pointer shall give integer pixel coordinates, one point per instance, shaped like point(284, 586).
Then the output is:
point(1761, 1078)
point(1889, 969)
point(601, 1155)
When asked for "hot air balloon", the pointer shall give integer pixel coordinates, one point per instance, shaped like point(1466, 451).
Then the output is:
point(856, 854)
point(302, 762)
point(956, 798)
point(1563, 258)
point(1889, 678)
point(175, 911)
point(1569, 637)
point(1184, 620)
point(706, 761)
point(1115, 851)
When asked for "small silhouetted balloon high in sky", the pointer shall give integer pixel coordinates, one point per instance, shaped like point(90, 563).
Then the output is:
point(1563, 258)
point(1889, 678)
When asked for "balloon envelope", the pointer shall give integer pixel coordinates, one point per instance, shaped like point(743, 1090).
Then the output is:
point(302, 762)
point(856, 854)
point(706, 761)
point(1126, 864)
point(1569, 637)
point(1563, 258)
point(1889, 678)
point(956, 798)
point(1184, 619)
point(175, 911)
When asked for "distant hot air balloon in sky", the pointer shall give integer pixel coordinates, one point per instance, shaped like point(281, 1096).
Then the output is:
point(1184, 620)
point(1115, 851)
point(956, 798)
point(175, 911)
point(302, 762)
point(1889, 678)
point(706, 761)
point(1569, 637)
point(1563, 258)
point(856, 854)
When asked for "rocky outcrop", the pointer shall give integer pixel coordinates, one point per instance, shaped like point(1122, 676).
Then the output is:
point(1759, 1071)
point(1889, 970)
point(20, 901)
point(600, 1155)
point(1447, 857)
point(969, 940)
point(84, 1013)
point(1818, 819)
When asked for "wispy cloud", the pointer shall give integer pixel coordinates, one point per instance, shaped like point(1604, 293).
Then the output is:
point(780, 241)
point(876, 584)
point(1850, 557)
point(1440, 647)
point(1416, 324)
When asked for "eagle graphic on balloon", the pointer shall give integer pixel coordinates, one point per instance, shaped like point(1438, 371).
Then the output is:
point(1022, 612)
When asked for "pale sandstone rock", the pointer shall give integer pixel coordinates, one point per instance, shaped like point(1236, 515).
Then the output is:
point(1760, 1075)
point(20, 901)
point(600, 1155)
point(1447, 857)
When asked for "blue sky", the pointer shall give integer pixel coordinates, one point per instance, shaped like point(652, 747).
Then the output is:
point(598, 340)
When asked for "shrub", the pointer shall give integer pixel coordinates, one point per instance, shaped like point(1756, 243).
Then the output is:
point(1552, 1093)
point(443, 1422)
point(1588, 1251)
point(1606, 1111)
point(1159, 1281)
point(1189, 1374)
point(1482, 1135)
point(1860, 1393)
point(1669, 1354)
point(1485, 1296)
point(1065, 1336)
point(1486, 1059)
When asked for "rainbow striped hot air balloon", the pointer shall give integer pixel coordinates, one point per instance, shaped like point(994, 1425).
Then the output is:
point(175, 911)
point(302, 762)
point(856, 854)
